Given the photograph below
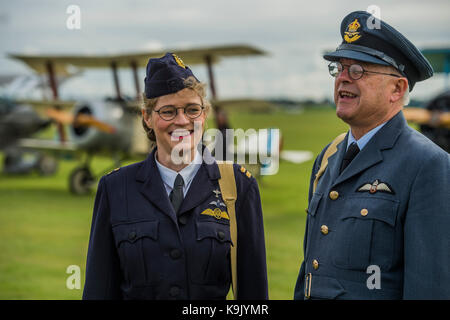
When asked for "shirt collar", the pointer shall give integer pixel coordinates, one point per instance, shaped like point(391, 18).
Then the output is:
point(361, 142)
point(188, 173)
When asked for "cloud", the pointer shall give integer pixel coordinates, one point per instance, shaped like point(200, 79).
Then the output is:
point(295, 33)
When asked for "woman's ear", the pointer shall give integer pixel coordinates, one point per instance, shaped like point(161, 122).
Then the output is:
point(399, 88)
point(146, 117)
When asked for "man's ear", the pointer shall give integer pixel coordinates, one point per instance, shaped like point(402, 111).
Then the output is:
point(400, 85)
point(146, 118)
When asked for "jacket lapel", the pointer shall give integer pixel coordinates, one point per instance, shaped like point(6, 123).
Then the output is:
point(334, 162)
point(372, 152)
point(202, 186)
point(369, 156)
point(153, 187)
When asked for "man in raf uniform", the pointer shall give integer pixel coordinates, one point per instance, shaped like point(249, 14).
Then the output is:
point(379, 205)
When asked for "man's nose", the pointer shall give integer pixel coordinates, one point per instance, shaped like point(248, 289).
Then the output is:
point(344, 75)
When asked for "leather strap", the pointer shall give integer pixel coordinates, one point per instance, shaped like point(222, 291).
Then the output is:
point(227, 184)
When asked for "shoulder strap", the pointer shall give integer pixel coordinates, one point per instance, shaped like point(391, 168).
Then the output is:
point(332, 148)
point(227, 184)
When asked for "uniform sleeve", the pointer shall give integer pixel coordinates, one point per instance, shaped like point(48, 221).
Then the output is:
point(103, 276)
point(251, 250)
point(426, 233)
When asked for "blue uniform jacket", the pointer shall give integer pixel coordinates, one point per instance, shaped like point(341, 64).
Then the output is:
point(354, 221)
point(140, 249)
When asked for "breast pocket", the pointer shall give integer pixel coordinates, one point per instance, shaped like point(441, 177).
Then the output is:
point(212, 252)
point(136, 242)
point(365, 233)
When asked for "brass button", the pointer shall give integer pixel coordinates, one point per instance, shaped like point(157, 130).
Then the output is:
point(174, 291)
point(364, 212)
point(324, 229)
point(132, 236)
point(334, 195)
point(315, 264)
point(175, 254)
point(182, 220)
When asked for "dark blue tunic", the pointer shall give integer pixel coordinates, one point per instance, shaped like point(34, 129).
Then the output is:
point(140, 249)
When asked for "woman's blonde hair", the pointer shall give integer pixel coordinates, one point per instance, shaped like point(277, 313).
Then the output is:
point(190, 83)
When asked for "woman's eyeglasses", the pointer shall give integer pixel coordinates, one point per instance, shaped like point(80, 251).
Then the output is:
point(191, 111)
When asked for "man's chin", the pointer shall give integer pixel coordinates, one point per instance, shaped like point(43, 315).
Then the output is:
point(343, 113)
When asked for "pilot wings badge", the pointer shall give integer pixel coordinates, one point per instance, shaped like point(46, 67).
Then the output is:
point(216, 213)
point(218, 203)
point(376, 186)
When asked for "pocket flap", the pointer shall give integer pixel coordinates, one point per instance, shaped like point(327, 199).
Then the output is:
point(133, 231)
point(381, 209)
point(325, 287)
point(218, 231)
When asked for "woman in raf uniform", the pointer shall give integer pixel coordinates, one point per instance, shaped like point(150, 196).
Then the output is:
point(160, 227)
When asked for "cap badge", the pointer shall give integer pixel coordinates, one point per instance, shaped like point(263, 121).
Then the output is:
point(352, 34)
point(179, 61)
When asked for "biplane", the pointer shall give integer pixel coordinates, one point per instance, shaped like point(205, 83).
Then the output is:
point(19, 121)
point(110, 126)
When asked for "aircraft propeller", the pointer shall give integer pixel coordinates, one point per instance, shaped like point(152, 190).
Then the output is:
point(79, 120)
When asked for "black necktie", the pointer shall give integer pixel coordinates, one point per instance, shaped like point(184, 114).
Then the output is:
point(176, 195)
point(352, 151)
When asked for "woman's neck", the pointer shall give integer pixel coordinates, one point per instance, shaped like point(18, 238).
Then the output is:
point(166, 160)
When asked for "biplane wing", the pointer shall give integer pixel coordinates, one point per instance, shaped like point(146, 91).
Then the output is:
point(47, 145)
point(61, 63)
point(41, 105)
point(55, 65)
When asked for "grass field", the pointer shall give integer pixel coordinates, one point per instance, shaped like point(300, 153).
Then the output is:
point(44, 229)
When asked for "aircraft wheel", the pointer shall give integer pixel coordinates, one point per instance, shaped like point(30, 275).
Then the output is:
point(47, 165)
point(81, 181)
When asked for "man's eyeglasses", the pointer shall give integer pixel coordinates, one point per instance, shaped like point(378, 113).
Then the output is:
point(191, 111)
point(355, 71)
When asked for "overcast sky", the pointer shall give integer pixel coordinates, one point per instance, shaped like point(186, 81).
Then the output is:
point(294, 33)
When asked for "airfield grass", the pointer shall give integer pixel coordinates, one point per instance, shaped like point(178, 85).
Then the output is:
point(44, 229)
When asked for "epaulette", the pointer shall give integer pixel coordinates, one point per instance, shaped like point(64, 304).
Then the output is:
point(116, 169)
point(246, 172)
